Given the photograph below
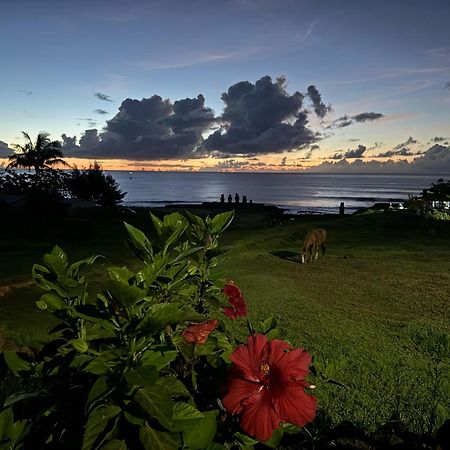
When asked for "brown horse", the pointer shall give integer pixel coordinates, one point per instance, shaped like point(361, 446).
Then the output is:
point(314, 239)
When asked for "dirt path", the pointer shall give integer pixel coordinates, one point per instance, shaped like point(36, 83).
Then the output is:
point(5, 288)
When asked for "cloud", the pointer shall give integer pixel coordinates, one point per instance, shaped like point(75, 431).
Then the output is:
point(5, 147)
point(260, 118)
point(101, 112)
point(353, 140)
point(26, 93)
point(447, 85)
point(320, 108)
point(305, 35)
point(345, 121)
point(149, 129)
point(438, 139)
point(435, 160)
point(104, 97)
point(283, 161)
point(400, 152)
point(367, 116)
point(407, 143)
point(350, 154)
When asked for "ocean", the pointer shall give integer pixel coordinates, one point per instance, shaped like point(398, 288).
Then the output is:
point(295, 192)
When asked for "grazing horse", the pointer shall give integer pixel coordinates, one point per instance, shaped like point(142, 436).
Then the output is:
point(314, 239)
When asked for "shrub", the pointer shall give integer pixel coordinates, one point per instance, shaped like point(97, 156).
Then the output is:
point(145, 362)
point(92, 184)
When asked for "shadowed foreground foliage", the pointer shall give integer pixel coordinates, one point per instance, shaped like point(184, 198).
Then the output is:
point(374, 314)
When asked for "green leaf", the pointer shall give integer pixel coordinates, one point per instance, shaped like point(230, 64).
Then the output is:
point(15, 363)
point(202, 434)
point(267, 325)
point(20, 396)
point(163, 314)
point(57, 261)
point(157, 223)
point(221, 222)
point(79, 345)
point(277, 435)
point(6, 421)
point(139, 243)
point(96, 424)
point(173, 386)
point(157, 402)
point(124, 293)
point(157, 440)
point(115, 445)
point(98, 391)
point(159, 359)
point(185, 411)
point(51, 301)
point(145, 376)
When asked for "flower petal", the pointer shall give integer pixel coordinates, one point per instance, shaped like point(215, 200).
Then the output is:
point(259, 418)
point(238, 391)
point(293, 364)
point(230, 312)
point(248, 358)
point(231, 290)
point(293, 404)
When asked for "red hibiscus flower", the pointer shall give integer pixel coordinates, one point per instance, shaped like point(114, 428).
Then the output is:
point(199, 332)
point(238, 306)
point(266, 386)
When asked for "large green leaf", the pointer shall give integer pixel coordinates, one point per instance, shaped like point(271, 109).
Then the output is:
point(157, 402)
point(51, 302)
point(97, 423)
point(174, 386)
point(57, 261)
point(157, 440)
point(202, 434)
point(15, 363)
point(185, 411)
point(115, 445)
point(159, 359)
point(139, 242)
point(163, 314)
point(99, 390)
point(145, 376)
point(6, 421)
point(221, 222)
point(124, 293)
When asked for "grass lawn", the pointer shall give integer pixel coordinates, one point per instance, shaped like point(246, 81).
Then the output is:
point(375, 314)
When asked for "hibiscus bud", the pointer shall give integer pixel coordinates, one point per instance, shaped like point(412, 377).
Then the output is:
point(198, 333)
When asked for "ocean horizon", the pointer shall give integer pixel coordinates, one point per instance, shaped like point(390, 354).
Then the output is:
point(294, 192)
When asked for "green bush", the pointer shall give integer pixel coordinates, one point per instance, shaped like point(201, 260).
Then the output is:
point(140, 364)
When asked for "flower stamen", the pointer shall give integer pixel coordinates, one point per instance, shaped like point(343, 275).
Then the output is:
point(265, 369)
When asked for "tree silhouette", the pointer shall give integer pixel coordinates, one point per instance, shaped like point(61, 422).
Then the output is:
point(43, 154)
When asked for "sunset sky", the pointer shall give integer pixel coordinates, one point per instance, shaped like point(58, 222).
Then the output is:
point(230, 85)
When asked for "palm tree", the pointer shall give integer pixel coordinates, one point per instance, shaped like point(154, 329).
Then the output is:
point(43, 154)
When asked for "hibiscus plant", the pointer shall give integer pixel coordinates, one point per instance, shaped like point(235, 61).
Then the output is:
point(148, 361)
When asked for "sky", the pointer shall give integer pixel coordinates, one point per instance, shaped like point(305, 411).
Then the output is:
point(253, 85)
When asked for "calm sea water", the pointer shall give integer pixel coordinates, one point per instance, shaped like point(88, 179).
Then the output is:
point(295, 192)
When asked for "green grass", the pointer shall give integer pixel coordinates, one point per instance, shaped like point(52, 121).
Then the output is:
point(375, 314)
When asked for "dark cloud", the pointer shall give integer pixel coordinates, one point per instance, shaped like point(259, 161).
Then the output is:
point(68, 143)
point(320, 108)
point(367, 116)
point(151, 128)
point(438, 139)
point(283, 161)
point(435, 160)
point(345, 121)
point(447, 85)
point(353, 140)
point(104, 97)
point(400, 152)
point(260, 118)
point(407, 143)
point(101, 112)
point(375, 145)
point(350, 154)
point(4, 147)
point(26, 93)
